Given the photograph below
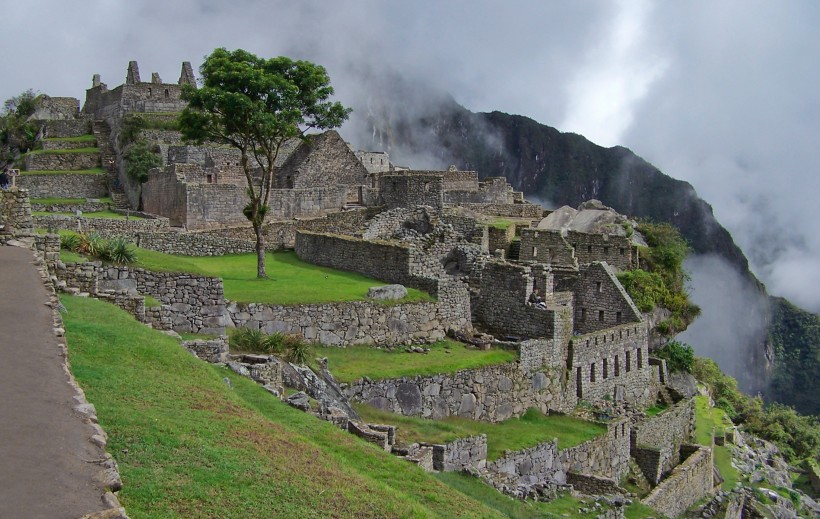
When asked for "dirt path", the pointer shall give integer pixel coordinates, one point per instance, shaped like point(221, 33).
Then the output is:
point(44, 444)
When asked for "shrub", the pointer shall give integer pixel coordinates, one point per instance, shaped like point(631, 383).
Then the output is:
point(248, 339)
point(679, 356)
point(140, 160)
point(70, 242)
point(298, 350)
point(120, 252)
point(92, 245)
point(275, 343)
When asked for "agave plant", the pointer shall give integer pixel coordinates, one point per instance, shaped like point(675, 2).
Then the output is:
point(70, 242)
point(299, 350)
point(247, 339)
point(120, 252)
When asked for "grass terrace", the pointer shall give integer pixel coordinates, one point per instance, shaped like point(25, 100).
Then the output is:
point(708, 422)
point(98, 214)
point(92, 171)
point(354, 362)
point(69, 201)
point(514, 434)
point(291, 281)
point(81, 138)
point(187, 445)
point(61, 152)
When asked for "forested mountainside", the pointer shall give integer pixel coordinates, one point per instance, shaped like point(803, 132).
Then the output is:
point(417, 125)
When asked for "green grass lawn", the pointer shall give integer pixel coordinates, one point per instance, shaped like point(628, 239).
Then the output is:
point(60, 152)
point(97, 214)
point(354, 362)
point(92, 171)
point(291, 281)
point(58, 201)
point(513, 434)
point(81, 138)
point(708, 421)
point(655, 409)
point(187, 445)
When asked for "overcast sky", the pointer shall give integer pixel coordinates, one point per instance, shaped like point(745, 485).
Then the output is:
point(721, 94)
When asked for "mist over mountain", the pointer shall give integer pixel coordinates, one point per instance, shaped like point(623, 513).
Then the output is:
point(742, 327)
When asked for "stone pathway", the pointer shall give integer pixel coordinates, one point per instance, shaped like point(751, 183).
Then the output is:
point(47, 463)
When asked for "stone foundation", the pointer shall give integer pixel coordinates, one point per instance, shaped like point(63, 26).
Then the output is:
point(688, 483)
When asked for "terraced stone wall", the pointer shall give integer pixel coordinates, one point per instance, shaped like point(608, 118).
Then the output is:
point(688, 483)
point(65, 161)
point(492, 394)
point(512, 210)
point(662, 435)
point(106, 227)
point(15, 213)
point(63, 185)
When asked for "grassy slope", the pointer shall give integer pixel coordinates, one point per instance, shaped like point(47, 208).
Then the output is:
point(354, 362)
point(188, 446)
point(709, 420)
point(513, 434)
point(291, 280)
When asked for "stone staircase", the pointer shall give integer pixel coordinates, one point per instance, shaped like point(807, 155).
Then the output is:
point(108, 160)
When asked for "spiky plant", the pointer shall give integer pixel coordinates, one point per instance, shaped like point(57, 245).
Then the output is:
point(121, 252)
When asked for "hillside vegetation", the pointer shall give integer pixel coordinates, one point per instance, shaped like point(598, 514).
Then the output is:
point(190, 446)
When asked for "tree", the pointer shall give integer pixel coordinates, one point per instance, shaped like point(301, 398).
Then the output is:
point(255, 105)
point(17, 133)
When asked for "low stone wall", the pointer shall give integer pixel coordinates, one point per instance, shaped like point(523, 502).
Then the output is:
point(606, 456)
point(195, 243)
point(534, 211)
point(61, 161)
point(213, 351)
point(67, 128)
point(15, 214)
point(342, 324)
point(593, 485)
point(461, 454)
point(688, 483)
point(491, 394)
point(105, 227)
point(657, 440)
point(63, 185)
point(89, 206)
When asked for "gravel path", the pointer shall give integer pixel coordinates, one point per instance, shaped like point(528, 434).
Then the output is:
point(47, 464)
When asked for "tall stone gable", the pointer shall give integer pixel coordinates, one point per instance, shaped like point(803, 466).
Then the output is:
point(320, 161)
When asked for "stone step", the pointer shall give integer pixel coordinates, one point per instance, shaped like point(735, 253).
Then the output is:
point(119, 200)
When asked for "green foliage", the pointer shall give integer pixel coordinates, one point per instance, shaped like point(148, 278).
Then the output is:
point(17, 134)
point(795, 336)
point(298, 350)
point(130, 130)
point(797, 436)
point(254, 105)
point(139, 160)
point(679, 356)
point(117, 251)
point(248, 339)
point(120, 252)
point(660, 280)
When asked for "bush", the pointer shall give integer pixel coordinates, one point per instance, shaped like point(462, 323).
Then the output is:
point(140, 160)
point(120, 252)
point(299, 350)
point(92, 245)
point(679, 356)
point(248, 339)
point(70, 242)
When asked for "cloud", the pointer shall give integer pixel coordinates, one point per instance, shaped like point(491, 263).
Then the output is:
point(732, 321)
point(721, 94)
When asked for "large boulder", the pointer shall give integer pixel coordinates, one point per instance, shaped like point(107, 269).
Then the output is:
point(387, 292)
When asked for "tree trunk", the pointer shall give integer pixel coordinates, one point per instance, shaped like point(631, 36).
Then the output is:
point(260, 251)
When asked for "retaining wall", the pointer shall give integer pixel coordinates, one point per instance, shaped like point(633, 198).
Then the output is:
point(461, 454)
point(688, 483)
point(656, 441)
point(63, 185)
point(492, 394)
point(106, 227)
point(61, 161)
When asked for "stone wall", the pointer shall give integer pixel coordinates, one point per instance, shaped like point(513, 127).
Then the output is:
point(601, 301)
point(499, 238)
point(106, 227)
point(494, 190)
point(63, 185)
point(15, 214)
point(606, 456)
point(546, 247)
point(411, 188)
point(492, 394)
point(593, 485)
point(526, 210)
point(461, 454)
point(66, 128)
point(502, 307)
point(615, 250)
point(61, 161)
point(89, 206)
point(342, 324)
point(55, 108)
point(664, 434)
point(612, 363)
point(687, 484)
